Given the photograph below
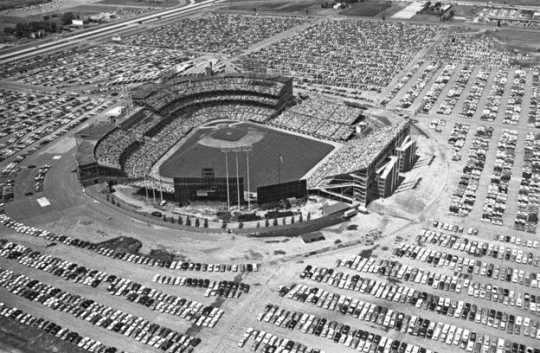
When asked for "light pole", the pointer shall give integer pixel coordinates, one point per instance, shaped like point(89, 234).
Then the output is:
point(237, 179)
point(247, 174)
point(227, 179)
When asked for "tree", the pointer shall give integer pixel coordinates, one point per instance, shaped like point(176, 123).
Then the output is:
point(67, 18)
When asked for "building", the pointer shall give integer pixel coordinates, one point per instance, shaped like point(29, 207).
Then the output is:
point(388, 177)
point(406, 153)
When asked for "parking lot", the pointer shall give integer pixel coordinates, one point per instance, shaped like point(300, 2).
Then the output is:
point(459, 274)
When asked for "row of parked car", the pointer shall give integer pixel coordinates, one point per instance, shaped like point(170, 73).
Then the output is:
point(151, 298)
point(40, 178)
point(469, 265)
point(270, 343)
point(417, 87)
point(457, 283)
point(441, 305)
point(512, 112)
point(478, 247)
point(437, 87)
point(458, 136)
point(534, 104)
point(453, 95)
point(404, 294)
point(526, 218)
point(122, 255)
point(464, 197)
point(496, 92)
point(138, 328)
point(53, 329)
point(453, 227)
point(497, 196)
point(358, 339)
point(391, 319)
point(471, 103)
point(512, 239)
point(229, 289)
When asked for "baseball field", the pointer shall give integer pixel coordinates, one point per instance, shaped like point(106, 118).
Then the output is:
point(274, 156)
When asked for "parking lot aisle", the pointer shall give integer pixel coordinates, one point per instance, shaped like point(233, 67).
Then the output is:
point(523, 129)
point(394, 101)
point(276, 38)
point(419, 57)
point(419, 101)
point(83, 327)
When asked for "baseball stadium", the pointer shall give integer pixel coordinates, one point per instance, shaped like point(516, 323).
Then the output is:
point(238, 138)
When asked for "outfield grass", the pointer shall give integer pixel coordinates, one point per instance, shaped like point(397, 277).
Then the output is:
point(299, 156)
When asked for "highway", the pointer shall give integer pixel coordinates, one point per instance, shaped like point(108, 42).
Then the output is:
point(103, 31)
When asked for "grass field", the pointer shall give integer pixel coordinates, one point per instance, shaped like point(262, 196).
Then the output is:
point(367, 9)
point(278, 6)
point(12, 4)
point(509, 2)
point(18, 338)
point(299, 156)
point(144, 3)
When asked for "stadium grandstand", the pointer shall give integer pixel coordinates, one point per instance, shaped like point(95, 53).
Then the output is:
point(367, 167)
